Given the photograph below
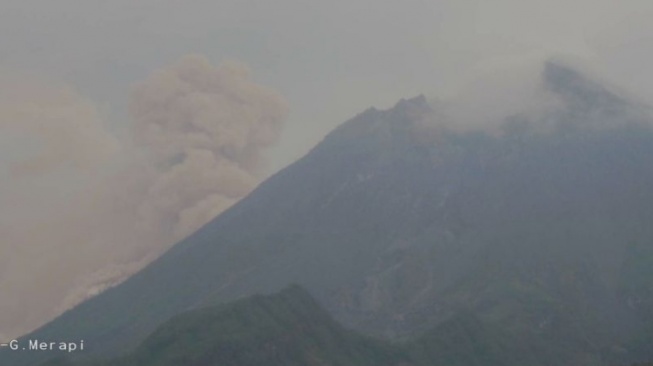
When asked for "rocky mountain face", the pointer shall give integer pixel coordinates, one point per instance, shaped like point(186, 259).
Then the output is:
point(395, 223)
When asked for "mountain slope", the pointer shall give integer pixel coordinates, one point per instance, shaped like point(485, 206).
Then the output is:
point(543, 229)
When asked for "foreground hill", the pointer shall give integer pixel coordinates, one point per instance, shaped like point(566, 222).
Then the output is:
point(542, 228)
point(290, 328)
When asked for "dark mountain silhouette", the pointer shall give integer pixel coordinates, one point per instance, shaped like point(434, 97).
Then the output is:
point(394, 226)
point(290, 328)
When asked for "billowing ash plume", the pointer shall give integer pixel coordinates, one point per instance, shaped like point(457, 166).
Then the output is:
point(205, 128)
point(52, 138)
point(80, 210)
point(67, 128)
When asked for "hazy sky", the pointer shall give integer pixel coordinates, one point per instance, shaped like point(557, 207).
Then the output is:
point(329, 59)
point(322, 62)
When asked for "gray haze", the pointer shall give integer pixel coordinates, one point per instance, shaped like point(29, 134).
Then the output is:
point(114, 144)
point(82, 209)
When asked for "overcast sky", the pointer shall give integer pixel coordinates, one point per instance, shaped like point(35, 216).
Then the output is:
point(329, 59)
point(312, 64)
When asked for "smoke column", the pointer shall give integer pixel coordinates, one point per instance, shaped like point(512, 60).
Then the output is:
point(80, 211)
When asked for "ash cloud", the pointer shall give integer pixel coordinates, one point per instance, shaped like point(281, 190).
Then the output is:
point(81, 210)
point(67, 128)
point(205, 129)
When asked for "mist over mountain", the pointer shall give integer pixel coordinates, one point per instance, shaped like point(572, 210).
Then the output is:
point(396, 222)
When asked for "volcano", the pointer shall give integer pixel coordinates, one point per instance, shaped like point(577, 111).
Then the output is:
point(395, 223)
